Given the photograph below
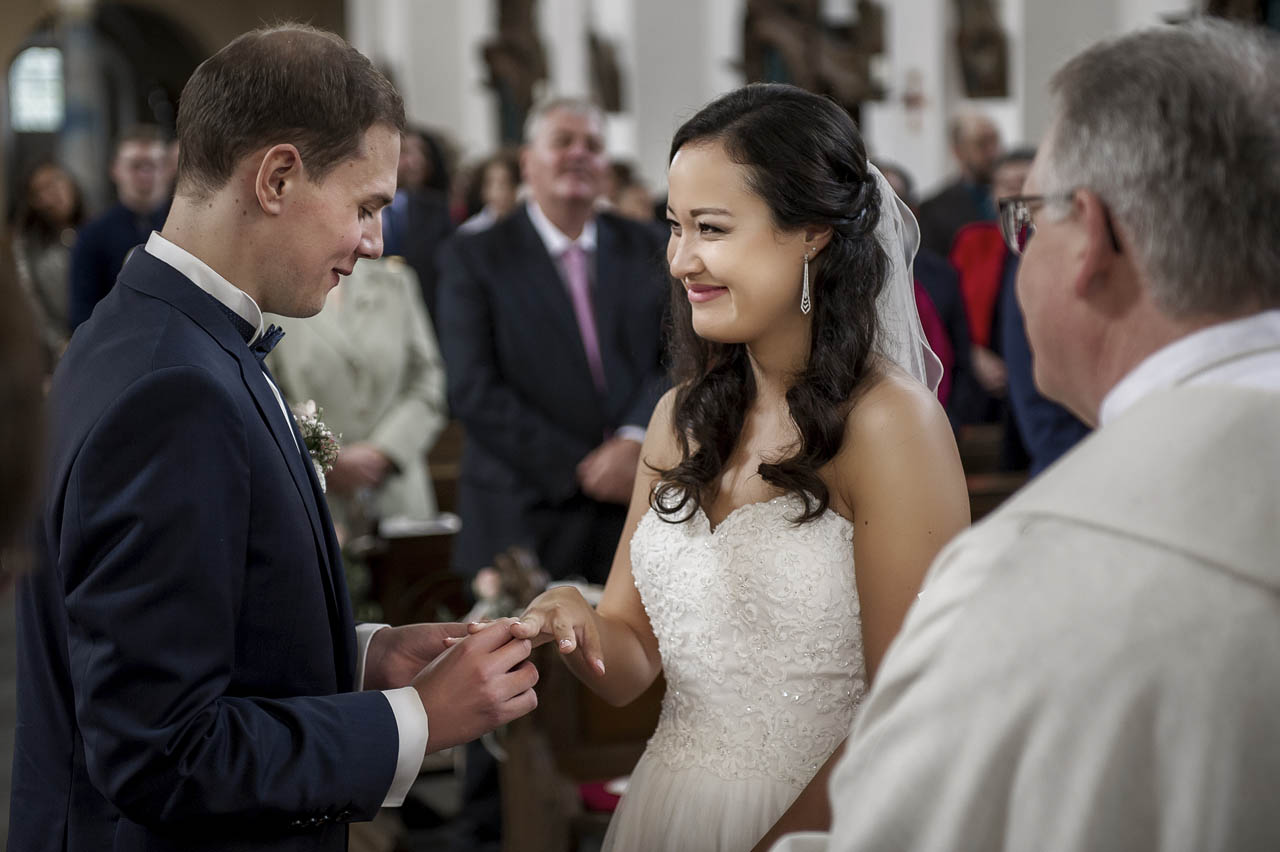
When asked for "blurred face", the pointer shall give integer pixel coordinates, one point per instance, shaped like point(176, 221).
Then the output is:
point(140, 174)
point(326, 227)
point(741, 275)
point(636, 203)
point(52, 195)
point(978, 148)
point(564, 162)
point(411, 173)
point(1010, 178)
point(498, 190)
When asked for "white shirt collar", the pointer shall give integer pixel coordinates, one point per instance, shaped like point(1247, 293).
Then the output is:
point(554, 239)
point(1199, 353)
point(203, 276)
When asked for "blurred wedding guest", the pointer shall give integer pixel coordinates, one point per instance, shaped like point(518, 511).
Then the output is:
point(636, 202)
point(21, 408)
point(142, 176)
point(959, 390)
point(50, 209)
point(1094, 666)
point(417, 220)
point(370, 361)
point(551, 327)
point(975, 143)
point(494, 191)
point(426, 166)
point(1045, 429)
point(900, 179)
point(987, 270)
point(986, 267)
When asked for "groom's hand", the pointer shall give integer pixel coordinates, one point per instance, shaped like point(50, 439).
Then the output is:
point(476, 686)
point(397, 654)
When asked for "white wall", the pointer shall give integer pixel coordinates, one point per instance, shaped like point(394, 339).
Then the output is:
point(678, 54)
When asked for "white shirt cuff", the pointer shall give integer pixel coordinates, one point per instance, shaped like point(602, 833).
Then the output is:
point(411, 722)
point(364, 632)
point(631, 433)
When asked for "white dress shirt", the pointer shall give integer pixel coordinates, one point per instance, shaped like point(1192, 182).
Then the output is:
point(411, 716)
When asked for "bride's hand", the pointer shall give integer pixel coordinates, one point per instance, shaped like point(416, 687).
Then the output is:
point(562, 615)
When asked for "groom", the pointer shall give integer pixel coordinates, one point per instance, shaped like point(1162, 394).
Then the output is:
point(186, 650)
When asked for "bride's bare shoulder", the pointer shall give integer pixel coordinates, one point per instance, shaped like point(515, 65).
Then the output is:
point(661, 449)
point(895, 422)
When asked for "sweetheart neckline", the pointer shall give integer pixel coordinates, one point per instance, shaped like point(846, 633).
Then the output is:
point(713, 531)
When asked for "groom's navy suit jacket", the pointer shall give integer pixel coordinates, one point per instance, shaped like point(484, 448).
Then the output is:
point(186, 649)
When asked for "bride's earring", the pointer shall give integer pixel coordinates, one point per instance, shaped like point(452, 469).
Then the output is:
point(806, 304)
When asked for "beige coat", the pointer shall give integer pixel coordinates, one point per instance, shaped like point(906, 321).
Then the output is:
point(1097, 665)
point(370, 360)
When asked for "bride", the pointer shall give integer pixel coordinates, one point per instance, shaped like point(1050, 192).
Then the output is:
point(800, 441)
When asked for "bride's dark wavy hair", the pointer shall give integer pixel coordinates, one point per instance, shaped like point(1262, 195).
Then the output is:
point(805, 159)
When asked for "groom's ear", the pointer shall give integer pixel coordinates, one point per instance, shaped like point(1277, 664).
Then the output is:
point(279, 171)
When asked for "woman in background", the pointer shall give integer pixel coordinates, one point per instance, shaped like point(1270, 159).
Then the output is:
point(371, 362)
point(50, 209)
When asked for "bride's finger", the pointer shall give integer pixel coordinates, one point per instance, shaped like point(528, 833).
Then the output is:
point(566, 640)
point(529, 625)
point(591, 649)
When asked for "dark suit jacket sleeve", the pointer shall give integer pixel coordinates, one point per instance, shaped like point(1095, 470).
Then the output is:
point(88, 268)
point(153, 583)
point(494, 415)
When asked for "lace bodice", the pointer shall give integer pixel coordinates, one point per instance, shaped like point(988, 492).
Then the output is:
point(758, 625)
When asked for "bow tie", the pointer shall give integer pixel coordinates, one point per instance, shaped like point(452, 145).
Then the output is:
point(267, 341)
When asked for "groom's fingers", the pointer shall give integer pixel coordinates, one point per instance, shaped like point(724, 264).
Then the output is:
point(493, 636)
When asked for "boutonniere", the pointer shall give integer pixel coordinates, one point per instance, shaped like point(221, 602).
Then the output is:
point(322, 444)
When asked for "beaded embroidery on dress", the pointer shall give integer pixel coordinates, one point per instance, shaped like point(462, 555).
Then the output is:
point(758, 625)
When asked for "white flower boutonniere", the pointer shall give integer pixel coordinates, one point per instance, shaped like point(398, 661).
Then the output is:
point(321, 443)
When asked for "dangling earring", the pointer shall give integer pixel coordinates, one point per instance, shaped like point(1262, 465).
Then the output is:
point(806, 304)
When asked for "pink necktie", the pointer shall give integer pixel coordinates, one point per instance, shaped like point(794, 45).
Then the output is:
point(575, 269)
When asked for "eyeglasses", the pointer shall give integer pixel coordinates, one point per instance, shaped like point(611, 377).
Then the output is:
point(1017, 227)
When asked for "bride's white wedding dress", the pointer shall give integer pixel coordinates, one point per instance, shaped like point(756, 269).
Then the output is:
point(758, 625)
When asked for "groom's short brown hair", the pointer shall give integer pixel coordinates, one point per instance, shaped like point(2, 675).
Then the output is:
point(284, 84)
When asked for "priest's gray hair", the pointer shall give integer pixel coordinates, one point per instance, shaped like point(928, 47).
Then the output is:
point(578, 106)
point(1177, 130)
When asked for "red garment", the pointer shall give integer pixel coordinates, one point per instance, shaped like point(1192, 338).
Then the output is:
point(978, 254)
point(936, 333)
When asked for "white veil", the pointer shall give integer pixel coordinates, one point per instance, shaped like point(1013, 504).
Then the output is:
point(901, 336)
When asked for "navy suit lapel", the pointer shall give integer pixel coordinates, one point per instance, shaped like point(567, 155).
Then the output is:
point(156, 278)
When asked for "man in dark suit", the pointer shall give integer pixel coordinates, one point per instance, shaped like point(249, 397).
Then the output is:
point(551, 327)
point(975, 142)
point(186, 650)
point(143, 181)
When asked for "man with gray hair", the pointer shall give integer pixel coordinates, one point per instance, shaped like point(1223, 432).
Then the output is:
point(551, 325)
point(1097, 665)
